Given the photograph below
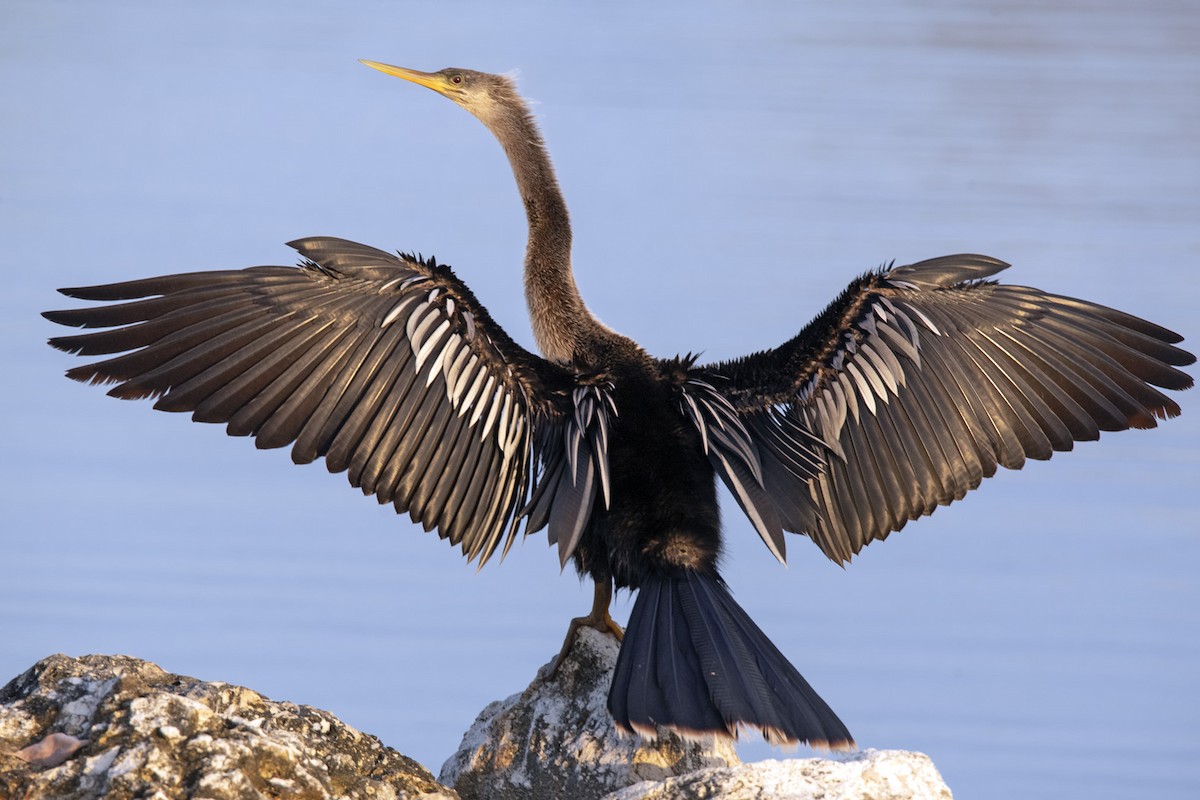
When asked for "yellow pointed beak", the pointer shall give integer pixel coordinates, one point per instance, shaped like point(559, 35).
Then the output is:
point(430, 80)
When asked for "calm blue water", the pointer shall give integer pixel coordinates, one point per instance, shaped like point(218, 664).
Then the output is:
point(728, 172)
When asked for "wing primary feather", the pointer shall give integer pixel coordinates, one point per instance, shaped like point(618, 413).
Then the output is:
point(288, 407)
point(268, 363)
point(352, 414)
point(286, 364)
point(317, 430)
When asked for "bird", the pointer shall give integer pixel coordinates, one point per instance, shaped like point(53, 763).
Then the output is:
point(902, 395)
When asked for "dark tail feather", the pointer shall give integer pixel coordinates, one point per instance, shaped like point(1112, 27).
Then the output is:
point(693, 661)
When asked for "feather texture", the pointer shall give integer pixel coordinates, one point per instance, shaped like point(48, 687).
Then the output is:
point(384, 365)
point(920, 380)
point(694, 659)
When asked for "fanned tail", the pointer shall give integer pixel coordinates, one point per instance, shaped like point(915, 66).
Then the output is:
point(694, 662)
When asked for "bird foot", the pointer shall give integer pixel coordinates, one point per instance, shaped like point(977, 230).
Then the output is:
point(599, 618)
point(604, 624)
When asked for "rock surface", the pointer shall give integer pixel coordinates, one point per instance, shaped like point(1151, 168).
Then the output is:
point(119, 728)
point(866, 775)
point(116, 727)
point(556, 739)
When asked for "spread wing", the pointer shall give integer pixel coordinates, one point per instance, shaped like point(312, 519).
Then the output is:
point(386, 366)
point(917, 382)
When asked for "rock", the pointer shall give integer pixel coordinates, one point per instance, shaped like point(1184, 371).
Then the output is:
point(866, 775)
point(116, 727)
point(119, 728)
point(557, 740)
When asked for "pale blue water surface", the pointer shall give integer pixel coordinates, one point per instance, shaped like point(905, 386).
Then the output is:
point(730, 167)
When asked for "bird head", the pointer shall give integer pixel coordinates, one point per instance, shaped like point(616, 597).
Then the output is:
point(483, 94)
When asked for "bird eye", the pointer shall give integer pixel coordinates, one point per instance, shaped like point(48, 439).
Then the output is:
point(457, 79)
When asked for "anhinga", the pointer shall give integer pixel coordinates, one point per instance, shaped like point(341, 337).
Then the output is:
point(902, 395)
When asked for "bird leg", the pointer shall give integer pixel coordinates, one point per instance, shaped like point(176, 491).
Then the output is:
point(598, 618)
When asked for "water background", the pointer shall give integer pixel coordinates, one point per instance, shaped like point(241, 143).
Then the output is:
point(729, 167)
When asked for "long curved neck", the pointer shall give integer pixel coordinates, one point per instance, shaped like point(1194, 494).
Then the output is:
point(562, 325)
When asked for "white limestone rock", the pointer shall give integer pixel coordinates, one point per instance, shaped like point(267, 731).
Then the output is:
point(557, 740)
point(865, 775)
